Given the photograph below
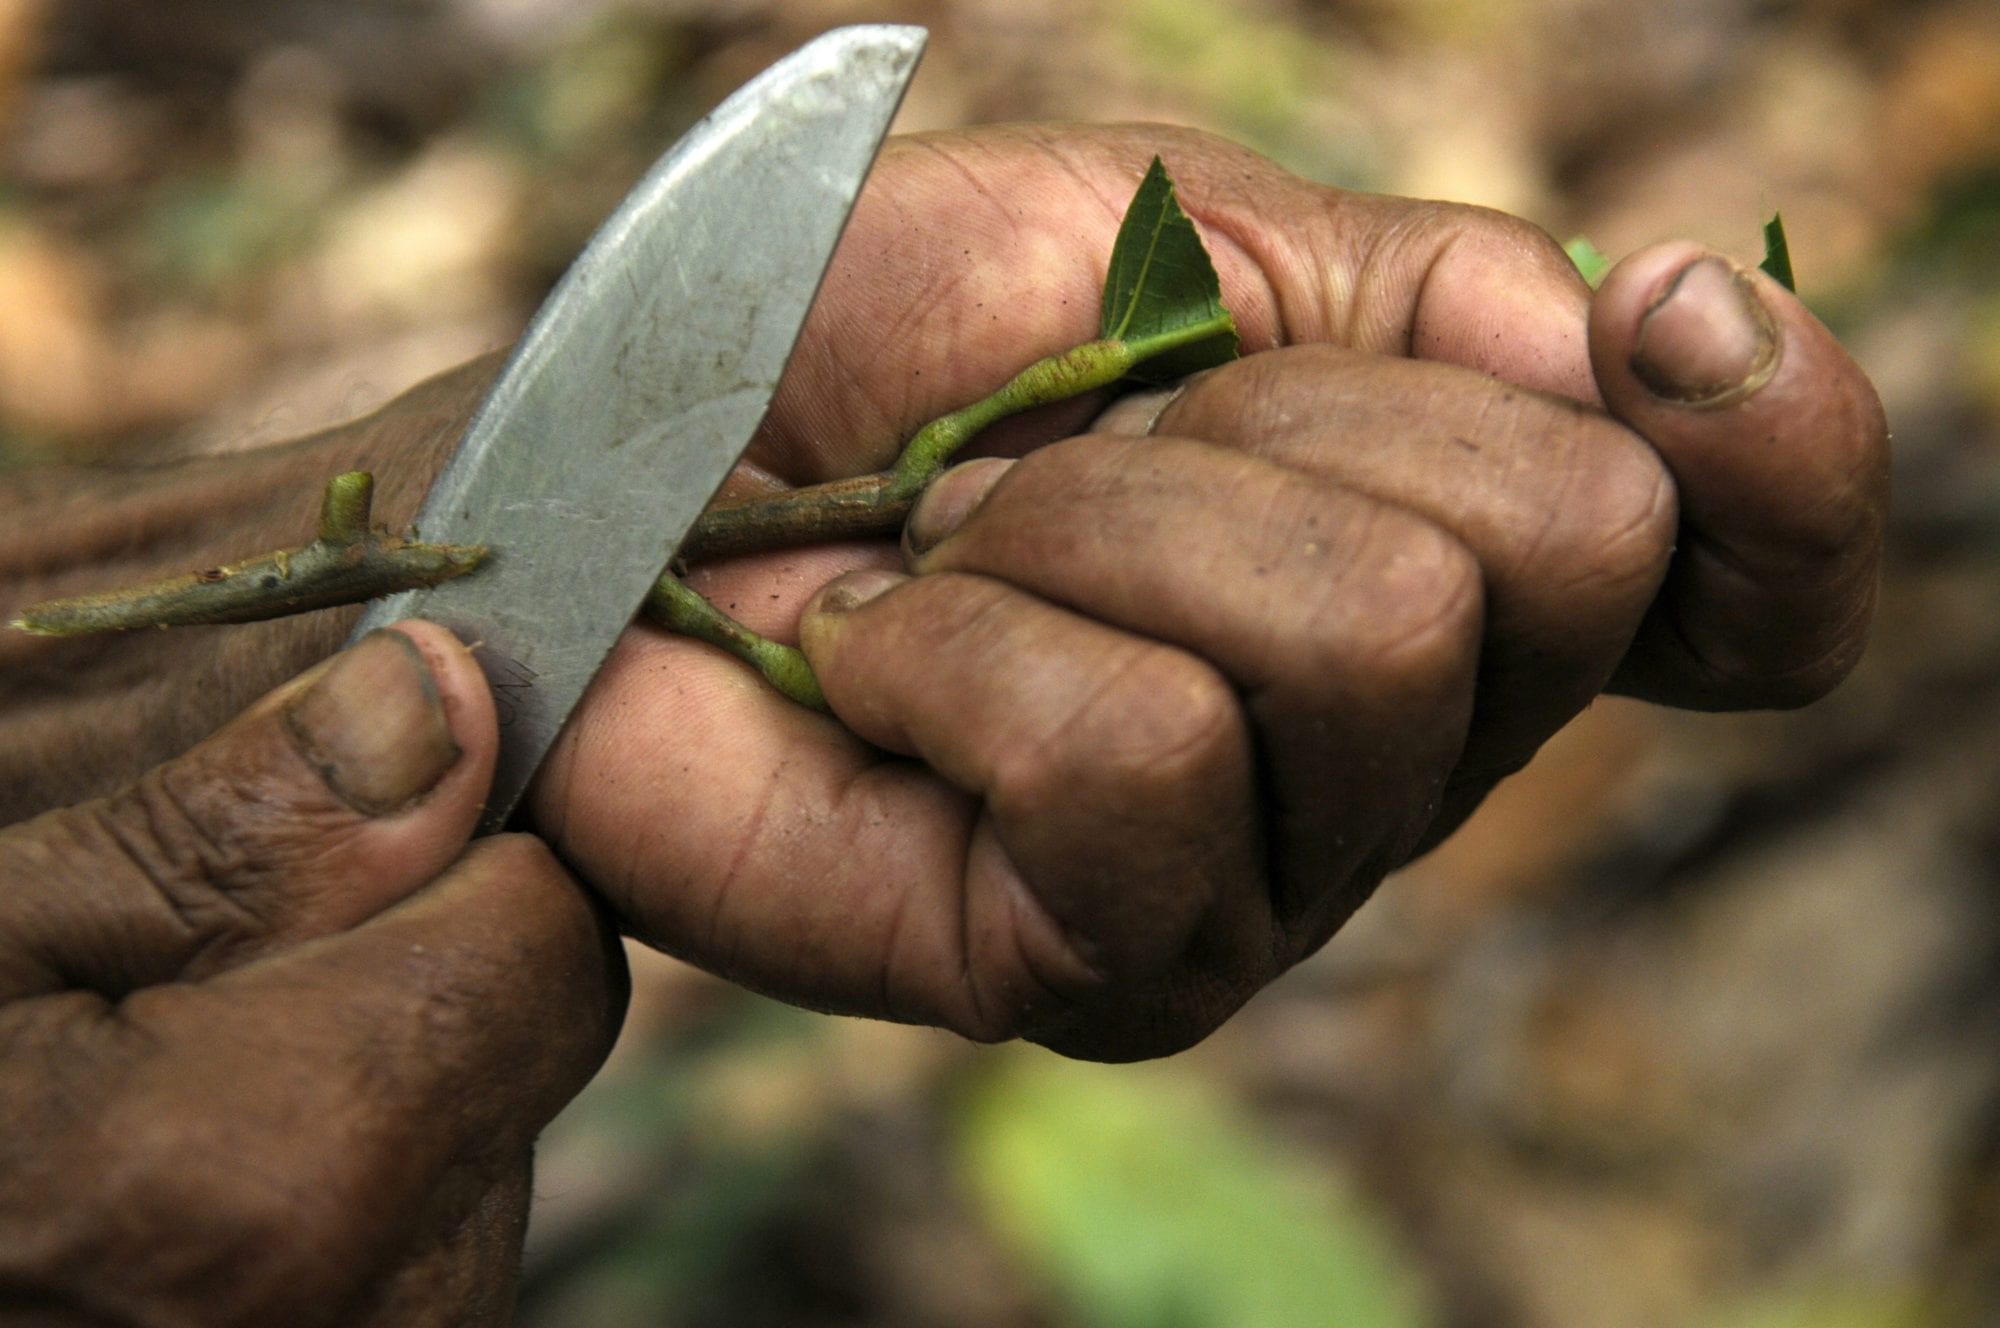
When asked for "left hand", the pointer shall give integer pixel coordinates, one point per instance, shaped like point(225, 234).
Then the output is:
point(277, 1043)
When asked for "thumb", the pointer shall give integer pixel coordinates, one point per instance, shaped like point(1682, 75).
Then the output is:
point(324, 803)
point(1780, 453)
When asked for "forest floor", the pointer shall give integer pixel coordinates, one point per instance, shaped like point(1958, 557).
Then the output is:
point(1693, 1026)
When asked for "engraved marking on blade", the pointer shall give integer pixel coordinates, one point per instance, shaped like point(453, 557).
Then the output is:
point(512, 681)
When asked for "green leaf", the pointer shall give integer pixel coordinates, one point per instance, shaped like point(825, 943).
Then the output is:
point(1589, 259)
point(1778, 253)
point(1146, 1201)
point(1834, 1306)
point(1161, 295)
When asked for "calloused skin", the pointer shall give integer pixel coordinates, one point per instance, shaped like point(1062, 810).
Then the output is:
point(278, 1043)
point(1149, 724)
point(1128, 726)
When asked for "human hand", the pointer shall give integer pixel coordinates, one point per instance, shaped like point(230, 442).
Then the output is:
point(1153, 716)
point(277, 1042)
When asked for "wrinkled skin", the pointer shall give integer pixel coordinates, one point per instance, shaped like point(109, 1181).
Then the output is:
point(1130, 723)
point(1145, 727)
point(276, 1048)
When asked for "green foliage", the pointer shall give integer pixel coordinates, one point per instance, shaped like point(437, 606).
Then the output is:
point(1593, 264)
point(1958, 240)
point(1778, 253)
point(1842, 1307)
point(211, 233)
point(1161, 293)
point(1146, 1202)
point(1589, 259)
point(1254, 73)
point(612, 80)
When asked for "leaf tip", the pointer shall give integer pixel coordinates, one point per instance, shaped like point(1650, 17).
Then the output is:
point(1778, 253)
point(1590, 261)
point(1162, 295)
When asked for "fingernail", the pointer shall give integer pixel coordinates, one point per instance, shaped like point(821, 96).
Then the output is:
point(1137, 414)
point(952, 497)
point(374, 726)
point(855, 589)
point(1708, 340)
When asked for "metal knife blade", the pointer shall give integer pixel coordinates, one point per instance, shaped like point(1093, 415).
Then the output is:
point(641, 379)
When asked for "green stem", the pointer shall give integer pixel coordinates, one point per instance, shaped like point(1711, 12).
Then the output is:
point(877, 505)
point(345, 507)
point(674, 606)
point(858, 508)
point(347, 564)
point(350, 562)
point(1080, 369)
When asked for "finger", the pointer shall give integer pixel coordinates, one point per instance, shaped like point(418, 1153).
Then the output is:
point(1779, 450)
point(932, 266)
point(272, 1144)
point(1569, 514)
point(766, 842)
point(771, 845)
point(1116, 869)
point(327, 801)
point(1350, 627)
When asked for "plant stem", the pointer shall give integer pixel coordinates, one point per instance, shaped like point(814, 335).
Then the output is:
point(1081, 369)
point(348, 563)
point(857, 508)
point(876, 506)
point(868, 506)
point(674, 606)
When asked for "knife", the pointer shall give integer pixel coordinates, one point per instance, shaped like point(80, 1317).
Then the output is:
point(641, 379)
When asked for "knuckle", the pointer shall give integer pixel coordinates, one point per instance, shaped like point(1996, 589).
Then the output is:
point(1160, 723)
point(167, 828)
point(203, 1233)
point(1134, 825)
point(1485, 236)
point(216, 851)
point(1613, 533)
point(1411, 615)
point(167, 836)
point(1504, 235)
point(998, 1003)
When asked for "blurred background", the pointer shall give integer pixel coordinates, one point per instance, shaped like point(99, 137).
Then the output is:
point(1698, 1024)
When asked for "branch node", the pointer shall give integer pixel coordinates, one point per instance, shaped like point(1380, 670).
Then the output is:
point(345, 508)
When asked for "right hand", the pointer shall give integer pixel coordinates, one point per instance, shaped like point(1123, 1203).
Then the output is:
point(1136, 725)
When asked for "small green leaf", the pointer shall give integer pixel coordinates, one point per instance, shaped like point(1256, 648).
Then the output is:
point(1589, 259)
point(1147, 1201)
point(1161, 295)
point(1777, 253)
